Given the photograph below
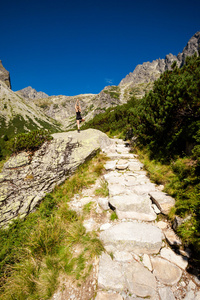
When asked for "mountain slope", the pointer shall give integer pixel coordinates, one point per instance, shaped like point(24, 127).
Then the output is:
point(141, 79)
point(16, 115)
point(137, 83)
point(61, 108)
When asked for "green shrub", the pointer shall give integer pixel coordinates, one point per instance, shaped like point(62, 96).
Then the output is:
point(29, 141)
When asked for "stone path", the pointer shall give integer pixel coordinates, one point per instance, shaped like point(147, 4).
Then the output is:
point(139, 260)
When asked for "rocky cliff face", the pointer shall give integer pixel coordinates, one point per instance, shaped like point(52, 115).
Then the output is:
point(30, 93)
point(26, 178)
point(142, 78)
point(4, 75)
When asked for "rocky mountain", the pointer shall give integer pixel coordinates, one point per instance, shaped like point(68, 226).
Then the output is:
point(61, 108)
point(30, 93)
point(17, 115)
point(4, 75)
point(141, 79)
point(136, 83)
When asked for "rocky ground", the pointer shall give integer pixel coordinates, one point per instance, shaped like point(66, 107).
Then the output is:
point(143, 257)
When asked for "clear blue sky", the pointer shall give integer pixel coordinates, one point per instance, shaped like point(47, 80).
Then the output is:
point(73, 47)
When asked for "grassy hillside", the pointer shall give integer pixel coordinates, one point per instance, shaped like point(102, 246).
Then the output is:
point(51, 244)
point(19, 116)
point(166, 123)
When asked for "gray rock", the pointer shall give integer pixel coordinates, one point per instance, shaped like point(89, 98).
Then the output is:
point(190, 296)
point(162, 225)
point(172, 238)
point(130, 276)
point(135, 166)
point(145, 188)
point(147, 262)
point(131, 236)
point(108, 296)
point(122, 164)
point(110, 165)
point(25, 181)
point(110, 274)
point(4, 75)
point(166, 294)
point(179, 260)
point(139, 280)
point(197, 296)
point(163, 201)
point(133, 206)
point(30, 93)
point(191, 285)
point(103, 202)
point(156, 209)
point(123, 256)
point(166, 272)
point(116, 189)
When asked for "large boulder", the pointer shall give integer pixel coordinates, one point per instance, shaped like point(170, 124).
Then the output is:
point(26, 179)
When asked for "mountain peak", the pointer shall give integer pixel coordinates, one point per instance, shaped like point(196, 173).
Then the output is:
point(142, 78)
point(4, 75)
point(30, 93)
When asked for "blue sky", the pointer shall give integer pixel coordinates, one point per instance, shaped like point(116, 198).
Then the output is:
point(73, 47)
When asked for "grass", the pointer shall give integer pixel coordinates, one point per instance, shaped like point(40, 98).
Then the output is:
point(103, 190)
point(113, 216)
point(50, 243)
point(180, 181)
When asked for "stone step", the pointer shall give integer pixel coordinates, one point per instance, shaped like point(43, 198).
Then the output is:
point(133, 206)
point(132, 277)
point(132, 237)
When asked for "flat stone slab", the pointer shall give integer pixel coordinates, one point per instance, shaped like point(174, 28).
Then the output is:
point(171, 237)
point(166, 272)
point(116, 189)
point(110, 165)
point(163, 201)
point(135, 166)
point(179, 260)
point(166, 294)
point(132, 276)
point(110, 274)
point(132, 237)
point(133, 206)
point(143, 188)
point(122, 164)
point(108, 296)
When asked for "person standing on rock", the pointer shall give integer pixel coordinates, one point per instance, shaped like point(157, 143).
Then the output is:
point(79, 119)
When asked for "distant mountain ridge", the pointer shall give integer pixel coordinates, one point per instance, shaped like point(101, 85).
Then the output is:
point(51, 110)
point(142, 78)
point(30, 93)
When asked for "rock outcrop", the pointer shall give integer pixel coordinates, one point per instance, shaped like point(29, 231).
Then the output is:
point(30, 93)
point(4, 75)
point(26, 177)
